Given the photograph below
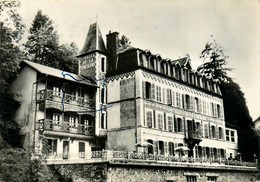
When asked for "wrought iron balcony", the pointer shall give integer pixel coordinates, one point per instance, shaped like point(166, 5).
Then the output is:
point(51, 125)
point(65, 98)
point(194, 135)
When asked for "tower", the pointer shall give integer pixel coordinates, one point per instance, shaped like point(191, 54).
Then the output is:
point(93, 65)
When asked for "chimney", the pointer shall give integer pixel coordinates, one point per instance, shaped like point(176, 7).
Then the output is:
point(112, 49)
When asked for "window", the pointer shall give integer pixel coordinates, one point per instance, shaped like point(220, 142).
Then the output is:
point(56, 118)
point(220, 133)
point(179, 125)
point(169, 97)
point(147, 93)
point(150, 146)
point(73, 121)
point(56, 91)
point(227, 135)
point(212, 178)
point(187, 101)
point(103, 121)
point(213, 132)
point(212, 109)
point(161, 148)
point(218, 111)
point(232, 136)
point(171, 148)
point(160, 121)
point(81, 149)
point(178, 99)
point(102, 95)
point(197, 104)
point(191, 178)
point(159, 94)
point(170, 124)
point(103, 64)
point(149, 119)
point(50, 146)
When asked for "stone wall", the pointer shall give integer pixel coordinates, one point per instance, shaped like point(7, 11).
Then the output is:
point(123, 173)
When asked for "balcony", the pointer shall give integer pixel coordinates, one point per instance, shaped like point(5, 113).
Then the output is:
point(194, 135)
point(58, 126)
point(65, 98)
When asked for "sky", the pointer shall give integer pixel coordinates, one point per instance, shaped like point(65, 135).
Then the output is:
point(171, 28)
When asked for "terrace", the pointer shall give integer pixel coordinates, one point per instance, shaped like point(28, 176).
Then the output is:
point(121, 157)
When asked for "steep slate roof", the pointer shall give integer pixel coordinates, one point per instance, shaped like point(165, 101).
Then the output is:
point(94, 41)
point(183, 62)
point(58, 73)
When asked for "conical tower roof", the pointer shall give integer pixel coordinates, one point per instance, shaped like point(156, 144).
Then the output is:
point(94, 41)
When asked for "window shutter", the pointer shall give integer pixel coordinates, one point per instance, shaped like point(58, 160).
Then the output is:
point(175, 124)
point(154, 119)
point(144, 89)
point(163, 95)
point(217, 133)
point(204, 152)
point(219, 153)
point(156, 147)
point(182, 126)
point(153, 92)
point(210, 134)
point(200, 106)
point(54, 146)
point(165, 123)
point(206, 133)
point(173, 99)
point(191, 103)
point(183, 102)
point(166, 148)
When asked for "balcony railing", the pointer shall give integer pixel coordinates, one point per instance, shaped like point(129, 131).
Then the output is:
point(65, 98)
point(194, 135)
point(144, 158)
point(67, 127)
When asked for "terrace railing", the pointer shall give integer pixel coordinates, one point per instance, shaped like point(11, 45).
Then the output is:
point(125, 157)
point(65, 98)
point(51, 125)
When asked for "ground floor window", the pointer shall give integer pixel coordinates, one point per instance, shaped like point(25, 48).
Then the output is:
point(50, 146)
point(81, 149)
point(191, 178)
point(212, 178)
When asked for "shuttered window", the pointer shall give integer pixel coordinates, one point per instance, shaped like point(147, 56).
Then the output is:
point(170, 123)
point(160, 121)
point(169, 97)
point(149, 119)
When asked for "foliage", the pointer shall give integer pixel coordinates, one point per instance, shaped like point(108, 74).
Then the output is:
point(43, 45)
point(235, 108)
point(11, 31)
point(237, 114)
point(214, 65)
point(123, 41)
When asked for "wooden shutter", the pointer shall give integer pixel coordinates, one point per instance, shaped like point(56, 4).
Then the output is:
point(175, 124)
point(217, 133)
point(191, 103)
point(54, 146)
point(183, 103)
point(200, 106)
point(163, 95)
point(154, 119)
point(206, 133)
point(166, 148)
point(153, 92)
point(173, 98)
point(144, 89)
point(155, 147)
point(210, 132)
point(165, 122)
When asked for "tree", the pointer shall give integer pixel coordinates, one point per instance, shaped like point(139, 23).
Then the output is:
point(11, 31)
point(236, 111)
point(237, 114)
point(214, 65)
point(43, 45)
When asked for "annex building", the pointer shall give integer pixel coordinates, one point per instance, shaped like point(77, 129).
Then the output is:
point(127, 106)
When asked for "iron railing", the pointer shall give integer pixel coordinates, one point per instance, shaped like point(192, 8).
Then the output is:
point(124, 157)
